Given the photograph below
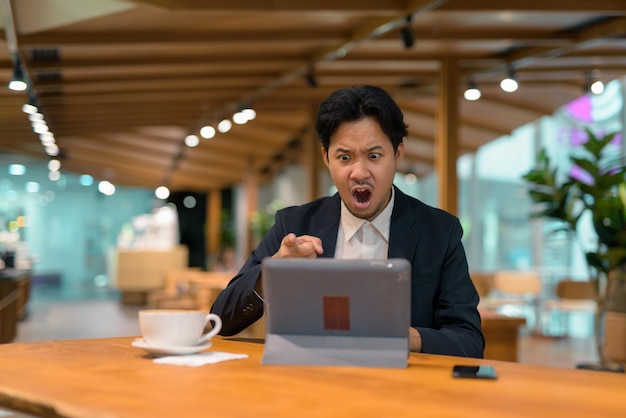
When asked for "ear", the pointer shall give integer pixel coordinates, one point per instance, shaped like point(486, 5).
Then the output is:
point(400, 153)
point(325, 156)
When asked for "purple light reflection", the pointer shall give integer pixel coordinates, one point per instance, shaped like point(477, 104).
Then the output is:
point(581, 109)
point(581, 175)
point(617, 139)
point(572, 136)
point(578, 137)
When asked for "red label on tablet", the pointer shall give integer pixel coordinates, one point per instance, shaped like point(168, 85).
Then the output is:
point(337, 313)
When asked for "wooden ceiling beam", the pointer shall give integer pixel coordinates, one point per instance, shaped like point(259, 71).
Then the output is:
point(161, 64)
point(103, 172)
point(152, 163)
point(194, 169)
point(246, 6)
point(616, 6)
point(199, 96)
point(238, 144)
point(368, 6)
point(589, 35)
point(266, 38)
point(429, 111)
point(223, 160)
point(62, 130)
point(168, 39)
point(182, 183)
point(113, 84)
point(119, 168)
point(128, 143)
point(370, 29)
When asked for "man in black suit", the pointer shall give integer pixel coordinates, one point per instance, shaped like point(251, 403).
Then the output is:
point(362, 131)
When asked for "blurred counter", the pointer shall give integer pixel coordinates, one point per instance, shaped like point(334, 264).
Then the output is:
point(136, 272)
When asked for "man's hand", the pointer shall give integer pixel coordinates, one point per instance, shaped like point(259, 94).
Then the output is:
point(415, 340)
point(302, 246)
point(292, 246)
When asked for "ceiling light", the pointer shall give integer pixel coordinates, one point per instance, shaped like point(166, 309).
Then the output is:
point(54, 175)
point(597, 87)
point(472, 93)
point(249, 112)
point(37, 116)
point(52, 150)
point(18, 82)
point(509, 84)
point(40, 127)
point(240, 118)
point(162, 192)
point(224, 126)
point(207, 132)
point(54, 165)
point(192, 141)
point(29, 108)
point(47, 139)
point(106, 188)
point(406, 33)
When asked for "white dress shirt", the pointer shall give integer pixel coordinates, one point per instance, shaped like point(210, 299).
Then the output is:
point(359, 238)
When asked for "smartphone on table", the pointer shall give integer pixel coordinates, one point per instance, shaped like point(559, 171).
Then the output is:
point(474, 372)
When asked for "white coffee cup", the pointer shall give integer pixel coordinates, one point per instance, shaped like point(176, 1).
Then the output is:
point(177, 327)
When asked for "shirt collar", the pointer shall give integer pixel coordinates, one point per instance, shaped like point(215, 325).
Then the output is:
point(351, 223)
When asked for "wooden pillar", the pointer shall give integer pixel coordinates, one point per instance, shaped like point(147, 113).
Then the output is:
point(251, 190)
point(312, 158)
point(214, 221)
point(447, 136)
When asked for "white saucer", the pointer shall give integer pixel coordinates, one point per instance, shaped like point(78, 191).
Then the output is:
point(171, 350)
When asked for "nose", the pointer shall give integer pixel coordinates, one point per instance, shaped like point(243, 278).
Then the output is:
point(360, 170)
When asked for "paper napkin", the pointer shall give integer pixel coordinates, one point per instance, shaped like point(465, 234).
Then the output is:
point(201, 359)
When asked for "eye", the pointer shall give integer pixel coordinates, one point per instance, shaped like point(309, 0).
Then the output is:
point(374, 156)
point(343, 157)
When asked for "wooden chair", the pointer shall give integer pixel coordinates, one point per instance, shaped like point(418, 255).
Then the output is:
point(483, 282)
point(206, 285)
point(570, 296)
point(515, 293)
point(177, 291)
point(614, 337)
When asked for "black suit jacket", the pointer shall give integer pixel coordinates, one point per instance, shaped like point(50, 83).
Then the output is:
point(443, 298)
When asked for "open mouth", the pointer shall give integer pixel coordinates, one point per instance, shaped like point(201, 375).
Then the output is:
point(362, 196)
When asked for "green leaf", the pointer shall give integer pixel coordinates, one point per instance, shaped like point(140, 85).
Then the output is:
point(604, 195)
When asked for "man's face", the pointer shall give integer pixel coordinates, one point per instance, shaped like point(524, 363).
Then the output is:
point(362, 164)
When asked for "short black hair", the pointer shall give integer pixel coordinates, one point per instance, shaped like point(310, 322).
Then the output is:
point(356, 103)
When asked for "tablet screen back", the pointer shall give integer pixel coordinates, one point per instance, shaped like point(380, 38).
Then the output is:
point(333, 309)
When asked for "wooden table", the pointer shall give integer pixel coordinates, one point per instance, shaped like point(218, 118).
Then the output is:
point(501, 335)
point(109, 378)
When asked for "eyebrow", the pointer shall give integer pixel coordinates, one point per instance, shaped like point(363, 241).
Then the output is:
point(345, 150)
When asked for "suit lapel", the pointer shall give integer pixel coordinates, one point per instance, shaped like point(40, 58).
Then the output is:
point(404, 232)
point(326, 222)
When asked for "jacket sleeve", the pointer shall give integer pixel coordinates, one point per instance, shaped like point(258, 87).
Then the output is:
point(238, 304)
point(456, 326)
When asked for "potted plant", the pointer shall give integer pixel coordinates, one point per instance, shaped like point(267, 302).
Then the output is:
point(596, 183)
